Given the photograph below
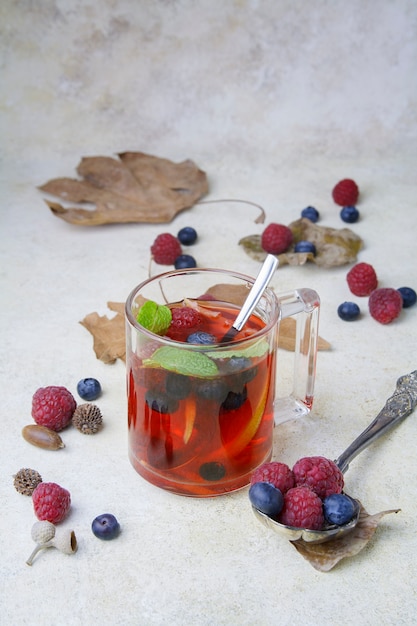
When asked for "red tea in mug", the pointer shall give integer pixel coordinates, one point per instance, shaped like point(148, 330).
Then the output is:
point(201, 420)
point(201, 414)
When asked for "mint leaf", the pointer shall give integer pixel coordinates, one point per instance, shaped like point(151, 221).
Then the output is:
point(184, 362)
point(254, 351)
point(154, 317)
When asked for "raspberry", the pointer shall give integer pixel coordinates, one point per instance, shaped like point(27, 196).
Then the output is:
point(51, 502)
point(321, 475)
point(346, 192)
point(183, 318)
point(277, 474)
point(165, 249)
point(276, 238)
point(53, 407)
point(385, 304)
point(362, 279)
point(302, 509)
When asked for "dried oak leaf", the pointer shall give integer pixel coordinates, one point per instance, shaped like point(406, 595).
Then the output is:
point(333, 246)
point(137, 188)
point(324, 556)
point(109, 334)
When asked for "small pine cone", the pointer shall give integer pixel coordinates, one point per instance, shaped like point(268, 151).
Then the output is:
point(87, 418)
point(26, 480)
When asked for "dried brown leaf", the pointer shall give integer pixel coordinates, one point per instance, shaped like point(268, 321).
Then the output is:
point(108, 334)
point(109, 341)
point(236, 294)
point(324, 556)
point(136, 188)
point(287, 334)
point(333, 246)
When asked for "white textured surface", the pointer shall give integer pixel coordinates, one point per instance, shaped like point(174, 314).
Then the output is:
point(277, 101)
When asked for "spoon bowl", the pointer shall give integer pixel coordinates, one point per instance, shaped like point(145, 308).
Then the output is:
point(306, 534)
point(397, 407)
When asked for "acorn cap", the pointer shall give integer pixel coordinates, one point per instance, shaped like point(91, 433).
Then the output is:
point(26, 480)
point(65, 541)
point(87, 418)
point(42, 532)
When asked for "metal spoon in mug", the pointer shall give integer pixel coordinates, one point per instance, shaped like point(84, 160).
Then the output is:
point(397, 407)
point(262, 280)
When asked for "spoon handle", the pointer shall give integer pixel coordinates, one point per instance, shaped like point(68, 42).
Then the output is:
point(265, 274)
point(397, 407)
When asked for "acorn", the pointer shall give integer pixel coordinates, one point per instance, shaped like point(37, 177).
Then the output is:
point(87, 418)
point(46, 535)
point(26, 480)
point(42, 437)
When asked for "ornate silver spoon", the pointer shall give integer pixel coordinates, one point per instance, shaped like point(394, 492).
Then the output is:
point(397, 407)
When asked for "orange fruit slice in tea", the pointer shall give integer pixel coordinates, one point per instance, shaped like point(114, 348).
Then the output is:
point(239, 426)
point(190, 414)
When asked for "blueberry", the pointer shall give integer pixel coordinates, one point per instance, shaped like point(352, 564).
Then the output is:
point(212, 471)
point(408, 295)
point(187, 235)
point(177, 386)
point(266, 498)
point(234, 400)
point(105, 526)
point(348, 311)
point(339, 509)
point(184, 261)
point(89, 389)
point(310, 213)
point(305, 246)
point(212, 389)
point(349, 214)
point(237, 364)
point(201, 337)
point(241, 368)
point(161, 402)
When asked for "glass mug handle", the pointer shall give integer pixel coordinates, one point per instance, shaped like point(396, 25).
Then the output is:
point(304, 304)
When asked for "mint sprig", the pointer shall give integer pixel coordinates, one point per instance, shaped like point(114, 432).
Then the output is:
point(154, 317)
point(183, 361)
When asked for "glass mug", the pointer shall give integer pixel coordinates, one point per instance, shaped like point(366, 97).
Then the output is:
point(201, 416)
